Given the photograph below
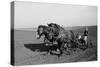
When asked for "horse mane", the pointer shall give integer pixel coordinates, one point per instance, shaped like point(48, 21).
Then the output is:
point(43, 26)
point(56, 26)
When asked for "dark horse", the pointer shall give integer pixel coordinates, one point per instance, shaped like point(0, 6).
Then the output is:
point(62, 36)
point(55, 33)
point(44, 30)
point(48, 36)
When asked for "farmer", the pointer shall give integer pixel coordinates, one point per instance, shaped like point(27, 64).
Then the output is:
point(85, 35)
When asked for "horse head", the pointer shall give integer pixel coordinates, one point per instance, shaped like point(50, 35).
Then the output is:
point(40, 31)
point(44, 30)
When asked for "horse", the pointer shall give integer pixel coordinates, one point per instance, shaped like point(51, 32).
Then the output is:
point(55, 33)
point(63, 37)
point(44, 30)
point(48, 37)
point(55, 28)
point(60, 32)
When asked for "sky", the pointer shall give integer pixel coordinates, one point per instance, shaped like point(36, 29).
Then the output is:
point(30, 14)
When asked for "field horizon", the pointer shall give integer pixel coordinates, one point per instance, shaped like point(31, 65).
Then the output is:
point(66, 28)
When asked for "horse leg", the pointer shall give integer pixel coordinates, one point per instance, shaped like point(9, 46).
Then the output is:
point(46, 42)
point(60, 50)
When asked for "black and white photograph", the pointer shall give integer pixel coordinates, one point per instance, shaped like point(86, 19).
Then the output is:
point(50, 33)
